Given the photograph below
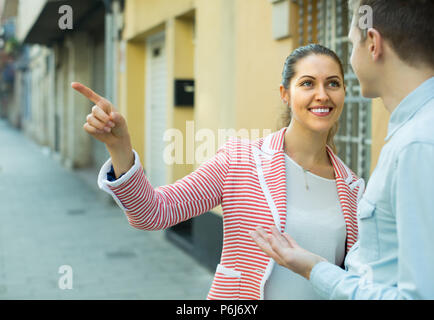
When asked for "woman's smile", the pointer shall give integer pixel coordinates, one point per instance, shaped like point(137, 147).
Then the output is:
point(321, 111)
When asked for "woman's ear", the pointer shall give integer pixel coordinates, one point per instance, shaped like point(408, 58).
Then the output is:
point(284, 94)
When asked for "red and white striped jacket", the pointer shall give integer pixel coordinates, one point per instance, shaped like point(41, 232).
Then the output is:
point(248, 179)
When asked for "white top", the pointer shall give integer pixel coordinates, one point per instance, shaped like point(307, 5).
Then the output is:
point(315, 221)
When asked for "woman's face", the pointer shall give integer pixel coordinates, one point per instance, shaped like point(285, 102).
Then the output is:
point(316, 93)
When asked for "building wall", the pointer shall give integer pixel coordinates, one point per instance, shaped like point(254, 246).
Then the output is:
point(379, 120)
point(183, 53)
point(98, 74)
point(258, 66)
point(235, 62)
point(37, 125)
point(142, 16)
point(57, 114)
point(15, 113)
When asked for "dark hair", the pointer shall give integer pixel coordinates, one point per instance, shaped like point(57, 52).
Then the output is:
point(288, 74)
point(406, 24)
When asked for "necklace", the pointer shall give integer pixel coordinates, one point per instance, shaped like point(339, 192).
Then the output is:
point(305, 177)
point(305, 171)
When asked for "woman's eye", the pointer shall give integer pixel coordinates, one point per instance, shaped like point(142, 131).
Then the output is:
point(306, 83)
point(335, 84)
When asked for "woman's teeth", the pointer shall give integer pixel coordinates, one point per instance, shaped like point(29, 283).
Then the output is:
point(321, 111)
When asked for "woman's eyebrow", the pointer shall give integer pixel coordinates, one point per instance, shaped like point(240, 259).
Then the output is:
point(307, 76)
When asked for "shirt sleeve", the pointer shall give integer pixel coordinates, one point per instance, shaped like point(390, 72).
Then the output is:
point(412, 194)
point(111, 174)
point(149, 208)
point(334, 283)
point(107, 179)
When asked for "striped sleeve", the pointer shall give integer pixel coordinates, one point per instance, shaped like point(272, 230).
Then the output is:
point(158, 208)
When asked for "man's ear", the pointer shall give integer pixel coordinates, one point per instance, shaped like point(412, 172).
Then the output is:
point(375, 44)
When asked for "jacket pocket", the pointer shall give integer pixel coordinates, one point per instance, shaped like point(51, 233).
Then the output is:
point(368, 231)
point(226, 284)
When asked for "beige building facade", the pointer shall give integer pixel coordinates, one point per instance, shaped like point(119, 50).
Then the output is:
point(226, 47)
point(231, 51)
point(187, 74)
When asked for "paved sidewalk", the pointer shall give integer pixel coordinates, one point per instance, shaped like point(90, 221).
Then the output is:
point(49, 218)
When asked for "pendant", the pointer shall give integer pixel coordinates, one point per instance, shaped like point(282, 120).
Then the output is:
point(305, 179)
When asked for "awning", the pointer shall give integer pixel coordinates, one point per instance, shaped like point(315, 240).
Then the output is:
point(88, 15)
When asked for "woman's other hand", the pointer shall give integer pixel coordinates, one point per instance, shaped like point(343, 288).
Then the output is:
point(285, 251)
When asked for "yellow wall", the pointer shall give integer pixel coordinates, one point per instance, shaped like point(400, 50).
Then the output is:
point(214, 73)
point(379, 121)
point(258, 66)
point(132, 94)
point(144, 18)
point(234, 60)
point(143, 15)
point(183, 68)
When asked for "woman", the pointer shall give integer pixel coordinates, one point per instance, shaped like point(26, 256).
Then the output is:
point(290, 179)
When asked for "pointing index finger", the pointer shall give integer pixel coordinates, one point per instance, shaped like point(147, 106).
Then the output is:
point(92, 96)
point(88, 93)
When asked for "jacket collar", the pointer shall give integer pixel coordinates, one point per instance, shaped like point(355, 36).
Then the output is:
point(269, 157)
point(274, 144)
point(268, 154)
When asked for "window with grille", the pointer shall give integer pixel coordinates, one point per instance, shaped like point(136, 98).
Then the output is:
point(327, 22)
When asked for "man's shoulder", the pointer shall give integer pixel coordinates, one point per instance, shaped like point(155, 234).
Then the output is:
point(418, 130)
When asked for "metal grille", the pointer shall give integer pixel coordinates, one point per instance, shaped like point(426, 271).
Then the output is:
point(331, 20)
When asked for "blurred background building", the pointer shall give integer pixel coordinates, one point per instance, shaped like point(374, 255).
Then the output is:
point(163, 63)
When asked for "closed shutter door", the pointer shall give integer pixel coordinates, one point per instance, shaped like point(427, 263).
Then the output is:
point(156, 110)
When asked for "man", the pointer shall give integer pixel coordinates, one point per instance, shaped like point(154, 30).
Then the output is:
point(394, 255)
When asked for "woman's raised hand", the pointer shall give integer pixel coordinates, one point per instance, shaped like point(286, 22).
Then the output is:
point(104, 123)
point(107, 125)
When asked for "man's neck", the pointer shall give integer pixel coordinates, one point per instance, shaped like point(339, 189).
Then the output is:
point(401, 83)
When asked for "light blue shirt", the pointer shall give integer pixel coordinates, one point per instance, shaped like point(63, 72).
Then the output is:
point(394, 256)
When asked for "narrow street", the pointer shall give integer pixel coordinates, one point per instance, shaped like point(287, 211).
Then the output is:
point(49, 218)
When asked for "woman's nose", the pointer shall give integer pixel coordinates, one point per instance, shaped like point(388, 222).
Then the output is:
point(321, 94)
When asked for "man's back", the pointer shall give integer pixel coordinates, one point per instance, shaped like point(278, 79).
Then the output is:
point(396, 213)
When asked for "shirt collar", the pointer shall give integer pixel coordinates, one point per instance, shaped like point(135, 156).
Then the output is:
point(410, 105)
